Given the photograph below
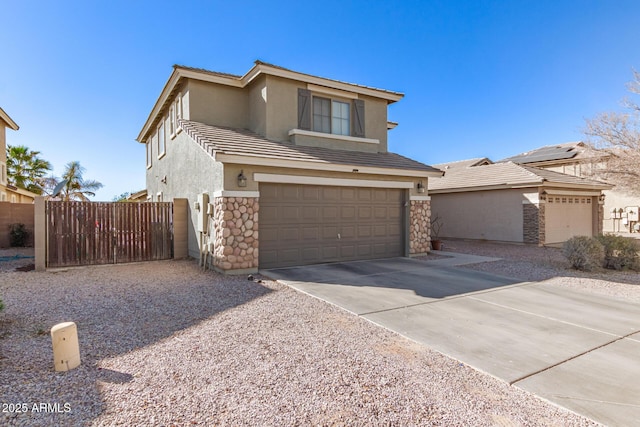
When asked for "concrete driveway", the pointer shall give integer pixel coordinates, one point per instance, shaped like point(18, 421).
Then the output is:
point(578, 350)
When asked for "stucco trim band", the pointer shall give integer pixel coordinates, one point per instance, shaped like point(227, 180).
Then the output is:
point(226, 193)
point(338, 182)
point(332, 136)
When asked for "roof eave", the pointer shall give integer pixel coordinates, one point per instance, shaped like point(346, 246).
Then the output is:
point(322, 165)
point(8, 120)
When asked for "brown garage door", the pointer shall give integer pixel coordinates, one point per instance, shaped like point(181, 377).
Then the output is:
point(310, 224)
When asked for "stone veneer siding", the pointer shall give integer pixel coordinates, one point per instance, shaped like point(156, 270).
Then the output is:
point(600, 218)
point(533, 223)
point(236, 241)
point(419, 227)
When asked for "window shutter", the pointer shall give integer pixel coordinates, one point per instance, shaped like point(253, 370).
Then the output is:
point(304, 109)
point(358, 118)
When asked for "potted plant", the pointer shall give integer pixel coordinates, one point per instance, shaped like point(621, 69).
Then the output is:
point(436, 225)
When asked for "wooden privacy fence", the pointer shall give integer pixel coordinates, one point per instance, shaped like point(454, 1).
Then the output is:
point(84, 233)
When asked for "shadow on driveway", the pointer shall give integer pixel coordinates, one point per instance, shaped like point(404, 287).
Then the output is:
point(391, 283)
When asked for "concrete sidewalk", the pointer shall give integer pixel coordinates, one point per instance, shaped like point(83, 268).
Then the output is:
point(575, 349)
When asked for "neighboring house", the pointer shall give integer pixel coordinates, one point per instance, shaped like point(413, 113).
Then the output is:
point(9, 193)
point(295, 168)
point(138, 196)
point(576, 158)
point(476, 199)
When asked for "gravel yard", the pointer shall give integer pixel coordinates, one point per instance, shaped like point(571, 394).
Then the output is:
point(163, 343)
point(532, 263)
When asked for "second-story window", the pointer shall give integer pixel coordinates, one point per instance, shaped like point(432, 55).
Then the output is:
point(330, 116)
point(162, 142)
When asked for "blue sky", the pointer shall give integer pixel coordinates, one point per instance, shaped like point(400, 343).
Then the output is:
point(481, 78)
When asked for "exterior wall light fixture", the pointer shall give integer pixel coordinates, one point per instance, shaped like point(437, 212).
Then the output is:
point(420, 187)
point(242, 180)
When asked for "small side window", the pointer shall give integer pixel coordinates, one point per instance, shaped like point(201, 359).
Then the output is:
point(162, 142)
point(172, 122)
point(149, 146)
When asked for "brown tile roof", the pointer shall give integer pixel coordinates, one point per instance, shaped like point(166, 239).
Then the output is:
point(507, 174)
point(462, 163)
point(212, 73)
point(218, 139)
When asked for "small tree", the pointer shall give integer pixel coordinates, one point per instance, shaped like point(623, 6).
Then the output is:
point(616, 136)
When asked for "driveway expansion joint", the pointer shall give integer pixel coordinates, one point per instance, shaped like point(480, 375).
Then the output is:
point(571, 358)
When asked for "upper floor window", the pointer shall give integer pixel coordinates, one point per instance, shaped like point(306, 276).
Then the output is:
point(330, 115)
point(149, 146)
point(162, 142)
point(172, 122)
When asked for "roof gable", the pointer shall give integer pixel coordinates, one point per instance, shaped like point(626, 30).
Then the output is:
point(5, 118)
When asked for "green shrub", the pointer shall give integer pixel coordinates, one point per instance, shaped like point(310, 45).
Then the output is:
point(18, 235)
point(584, 253)
point(620, 253)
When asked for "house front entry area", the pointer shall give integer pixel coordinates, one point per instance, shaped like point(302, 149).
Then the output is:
point(311, 224)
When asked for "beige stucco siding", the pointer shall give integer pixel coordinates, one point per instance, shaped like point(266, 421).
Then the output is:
point(189, 171)
point(282, 107)
point(258, 106)
point(617, 199)
point(375, 113)
point(492, 215)
point(3, 142)
point(218, 104)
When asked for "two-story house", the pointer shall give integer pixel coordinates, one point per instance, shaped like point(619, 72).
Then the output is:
point(8, 192)
point(295, 168)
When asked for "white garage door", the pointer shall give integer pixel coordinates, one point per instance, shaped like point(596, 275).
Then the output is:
point(568, 216)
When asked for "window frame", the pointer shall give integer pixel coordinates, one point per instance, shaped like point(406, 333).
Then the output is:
point(162, 140)
point(331, 116)
point(149, 149)
point(172, 122)
point(178, 112)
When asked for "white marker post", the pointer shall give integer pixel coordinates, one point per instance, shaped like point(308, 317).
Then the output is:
point(66, 350)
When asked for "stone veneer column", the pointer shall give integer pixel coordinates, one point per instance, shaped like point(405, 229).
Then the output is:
point(236, 242)
point(533, 223)
point(419, 227)
point(600, 218)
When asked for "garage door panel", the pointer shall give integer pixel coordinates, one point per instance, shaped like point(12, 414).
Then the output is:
point(348, 213)
point(364, 195)
point(289, 212)
point(311, 214)
point(364, 231)
point(364, 213)
point(310, 233)
point(311, 193)
point(348, 232)
point(330, 253)
point(329, 232)
point(330, 194)
point(290, 193)
point(330, 213)
point(303, 227)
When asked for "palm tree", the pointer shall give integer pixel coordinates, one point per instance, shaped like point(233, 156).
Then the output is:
point(25, 169)
point(76, 187)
